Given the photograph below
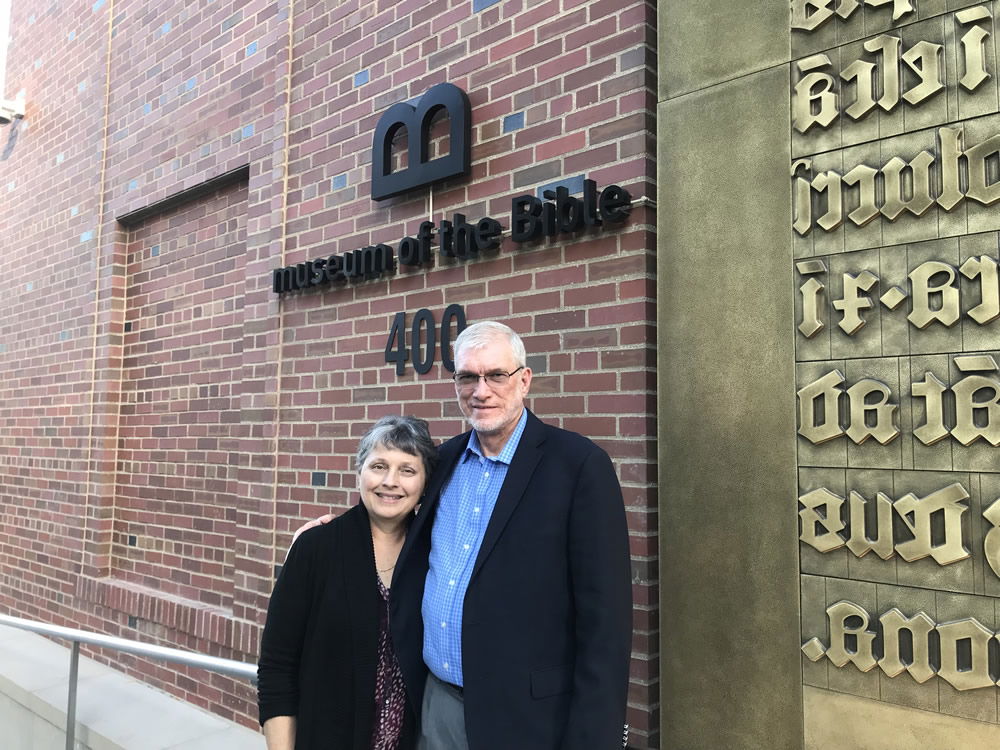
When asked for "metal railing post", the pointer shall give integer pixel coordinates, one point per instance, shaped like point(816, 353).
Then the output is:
point(74, 668)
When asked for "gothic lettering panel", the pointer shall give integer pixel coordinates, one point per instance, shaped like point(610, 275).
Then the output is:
point(895, 227)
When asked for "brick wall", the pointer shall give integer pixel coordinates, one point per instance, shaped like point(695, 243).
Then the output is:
point(50, 172)
point(178, 425)
point(155, 459)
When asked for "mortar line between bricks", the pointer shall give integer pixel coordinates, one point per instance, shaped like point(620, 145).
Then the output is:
point(102, 189)
point(276, 420)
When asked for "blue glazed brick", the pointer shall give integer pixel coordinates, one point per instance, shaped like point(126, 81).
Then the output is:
point(247, 130)
point(513, 122)
point(478, 5)
point(573, 184)
point(251, 48)
point(230, 22)
point(361, 78)
point(190, 84)
point(319, 479)
point(165, 28)
point(339, 182)
point(87, 236)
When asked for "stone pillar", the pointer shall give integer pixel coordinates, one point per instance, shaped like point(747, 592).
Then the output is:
point(730, 673)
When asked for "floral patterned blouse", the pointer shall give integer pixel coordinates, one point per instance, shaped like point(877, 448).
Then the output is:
point(390, 694)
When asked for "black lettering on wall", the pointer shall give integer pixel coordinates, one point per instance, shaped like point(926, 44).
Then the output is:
point(423, 339)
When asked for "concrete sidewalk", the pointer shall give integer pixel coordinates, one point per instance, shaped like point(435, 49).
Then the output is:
point(114, 711)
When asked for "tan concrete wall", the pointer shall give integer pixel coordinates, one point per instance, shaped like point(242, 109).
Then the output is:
point(30, 724)
point(729, 598)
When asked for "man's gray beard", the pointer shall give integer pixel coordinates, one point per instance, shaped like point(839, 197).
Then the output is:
point(482, 431)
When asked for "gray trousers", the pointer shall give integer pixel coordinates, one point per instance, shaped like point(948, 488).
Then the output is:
point(442, 717)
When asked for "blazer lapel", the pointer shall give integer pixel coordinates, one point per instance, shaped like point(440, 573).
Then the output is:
point(526, 458)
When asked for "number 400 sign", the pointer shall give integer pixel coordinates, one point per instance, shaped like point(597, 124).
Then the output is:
point(423, 339)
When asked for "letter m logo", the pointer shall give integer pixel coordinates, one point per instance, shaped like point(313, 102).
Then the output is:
point(420, 170)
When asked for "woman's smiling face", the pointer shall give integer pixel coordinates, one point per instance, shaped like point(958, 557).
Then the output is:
point(391, 483)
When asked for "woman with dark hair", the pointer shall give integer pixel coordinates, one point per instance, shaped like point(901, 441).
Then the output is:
point(328, 677)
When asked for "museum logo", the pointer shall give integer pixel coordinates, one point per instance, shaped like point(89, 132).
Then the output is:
point(557, 212)
point(421, 170)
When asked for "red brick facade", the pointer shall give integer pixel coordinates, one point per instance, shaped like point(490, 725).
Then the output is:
point(166, 419)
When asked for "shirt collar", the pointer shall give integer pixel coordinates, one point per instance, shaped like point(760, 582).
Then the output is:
point(506, 455)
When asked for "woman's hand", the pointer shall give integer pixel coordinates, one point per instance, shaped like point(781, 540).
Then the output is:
point(279, 733)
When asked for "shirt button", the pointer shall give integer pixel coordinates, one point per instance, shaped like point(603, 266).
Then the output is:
point(444, 624)
point(466, 546)
point(451, 582)
point(445, 665)
point(486, 474)
point(475, 510)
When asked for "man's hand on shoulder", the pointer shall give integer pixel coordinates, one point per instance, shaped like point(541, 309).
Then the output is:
point(326, 518)
point(312, 524)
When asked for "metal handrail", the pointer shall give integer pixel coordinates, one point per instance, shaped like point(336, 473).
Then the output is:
point(163, 653)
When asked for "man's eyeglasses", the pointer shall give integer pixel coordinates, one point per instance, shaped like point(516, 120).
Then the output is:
point(469, 380)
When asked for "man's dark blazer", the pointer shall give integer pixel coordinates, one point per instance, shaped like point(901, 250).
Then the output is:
point(547, 620)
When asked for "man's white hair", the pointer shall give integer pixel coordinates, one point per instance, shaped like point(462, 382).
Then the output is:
point(484, 333)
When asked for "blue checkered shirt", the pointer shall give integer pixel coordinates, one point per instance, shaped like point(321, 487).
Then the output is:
point(467, 501)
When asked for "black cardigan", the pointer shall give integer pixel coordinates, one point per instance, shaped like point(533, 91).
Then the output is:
point(319, 649)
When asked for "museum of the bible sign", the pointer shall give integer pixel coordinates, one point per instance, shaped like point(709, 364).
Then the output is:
point(895, 185)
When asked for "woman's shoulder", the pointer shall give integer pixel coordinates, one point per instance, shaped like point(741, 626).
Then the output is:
point(326, 534)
